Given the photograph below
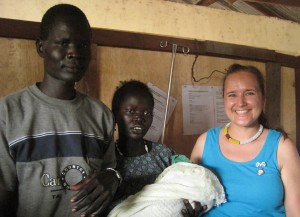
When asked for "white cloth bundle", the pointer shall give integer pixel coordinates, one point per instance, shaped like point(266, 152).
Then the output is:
point(165, 197)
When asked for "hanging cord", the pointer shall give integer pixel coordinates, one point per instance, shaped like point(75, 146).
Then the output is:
point(193, 72)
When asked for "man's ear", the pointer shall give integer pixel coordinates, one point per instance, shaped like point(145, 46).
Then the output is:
point(39, 47)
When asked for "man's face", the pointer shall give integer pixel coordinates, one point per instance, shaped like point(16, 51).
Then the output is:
point(67, 50)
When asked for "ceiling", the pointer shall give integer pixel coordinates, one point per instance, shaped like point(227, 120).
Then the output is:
point(282, 9)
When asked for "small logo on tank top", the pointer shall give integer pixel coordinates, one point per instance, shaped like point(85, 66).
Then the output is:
point(261, 166)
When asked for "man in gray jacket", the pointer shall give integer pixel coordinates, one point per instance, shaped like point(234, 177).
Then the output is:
point(56, 144)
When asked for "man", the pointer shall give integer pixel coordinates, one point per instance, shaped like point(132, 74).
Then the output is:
point(56, 143)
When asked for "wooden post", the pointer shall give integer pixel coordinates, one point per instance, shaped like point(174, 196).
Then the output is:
point(273, 89)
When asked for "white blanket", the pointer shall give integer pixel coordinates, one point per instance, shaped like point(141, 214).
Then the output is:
point(164, 198)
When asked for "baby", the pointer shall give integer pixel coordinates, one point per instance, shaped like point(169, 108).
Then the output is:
point(164, 198)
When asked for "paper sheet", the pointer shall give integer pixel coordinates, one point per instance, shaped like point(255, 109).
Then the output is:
point(202, 109)
point(160, 103)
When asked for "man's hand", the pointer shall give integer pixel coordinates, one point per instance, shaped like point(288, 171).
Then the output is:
point(95, 193)
point(189, 211)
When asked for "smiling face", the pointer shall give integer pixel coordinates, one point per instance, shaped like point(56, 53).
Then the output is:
point(134, 116)
point(66, 50)
point(243, 98)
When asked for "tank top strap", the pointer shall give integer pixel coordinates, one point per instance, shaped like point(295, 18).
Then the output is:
point(269, 150)
point(211, 146)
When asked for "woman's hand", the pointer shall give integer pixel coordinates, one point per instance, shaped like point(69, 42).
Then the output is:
point(95, 193)
point(189, 211)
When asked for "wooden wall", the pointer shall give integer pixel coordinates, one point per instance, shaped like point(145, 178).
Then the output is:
point(20, 66)
point(151, 66)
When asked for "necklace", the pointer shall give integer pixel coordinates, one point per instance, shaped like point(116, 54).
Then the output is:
point(237, 142)
point(120, 153)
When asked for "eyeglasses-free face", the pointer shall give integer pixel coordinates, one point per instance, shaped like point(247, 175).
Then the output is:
point(135, 116)
point(243, 99)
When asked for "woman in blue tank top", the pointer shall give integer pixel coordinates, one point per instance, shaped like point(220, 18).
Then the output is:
point(258, 167)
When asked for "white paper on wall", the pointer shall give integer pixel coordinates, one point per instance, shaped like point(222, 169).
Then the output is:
point(202, 108)
point(160, 103)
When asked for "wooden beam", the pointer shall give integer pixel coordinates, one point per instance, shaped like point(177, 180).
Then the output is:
point(239, 51)
point(263, 10)
point(297, 89)
point(287, 60)
point(152, 42)
point(273, 90)
point(30, 30)
point(114, 38)
point(230, 1)
point(206, 2)
point(19, 29)
point(291, 3)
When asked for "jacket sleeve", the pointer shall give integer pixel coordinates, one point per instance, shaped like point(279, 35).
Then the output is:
point(8, 175)
point(109, 159)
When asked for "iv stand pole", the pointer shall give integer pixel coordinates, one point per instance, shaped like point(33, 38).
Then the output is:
point(174, 49)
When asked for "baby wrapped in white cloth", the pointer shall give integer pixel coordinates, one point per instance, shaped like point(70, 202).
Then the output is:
point(164, 198)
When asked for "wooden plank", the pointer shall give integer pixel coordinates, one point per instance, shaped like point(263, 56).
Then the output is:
point(20, 65)
point(288, 102)
point(273, 90)
point(114, 38)
point(262, 9)
point(19, 29)
point(206, 2)
point(297, 89)
point(292, 3)
point(239, 51)
point(287, 60)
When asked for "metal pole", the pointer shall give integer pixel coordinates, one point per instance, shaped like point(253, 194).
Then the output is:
point(185, 50)
point(174, 48)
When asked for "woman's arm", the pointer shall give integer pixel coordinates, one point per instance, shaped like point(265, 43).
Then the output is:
point(197, 151)
point(289, 163)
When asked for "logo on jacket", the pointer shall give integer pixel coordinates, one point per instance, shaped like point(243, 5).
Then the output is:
point(71, 175)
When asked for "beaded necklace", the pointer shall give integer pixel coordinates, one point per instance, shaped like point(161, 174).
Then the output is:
point(237, 142)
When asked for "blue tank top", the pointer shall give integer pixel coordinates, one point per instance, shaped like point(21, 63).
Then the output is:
point(248, 193)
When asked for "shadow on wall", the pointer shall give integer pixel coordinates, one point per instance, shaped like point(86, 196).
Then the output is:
point(90, 82)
